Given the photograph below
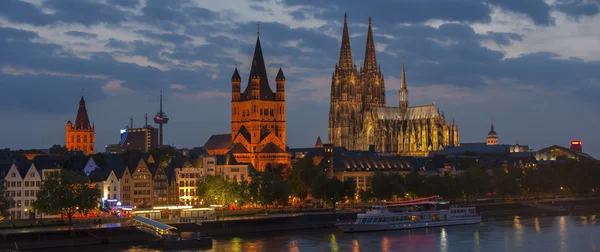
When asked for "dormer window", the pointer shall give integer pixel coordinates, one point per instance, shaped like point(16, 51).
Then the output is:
point(12, 175)
point(32, 175)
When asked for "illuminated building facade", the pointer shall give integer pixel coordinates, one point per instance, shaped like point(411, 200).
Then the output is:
point(142, 139)
point(258, 120)
point(142, 184)
point(110, 189)
point(359, 117)
point(81, 135)
point(492, 138)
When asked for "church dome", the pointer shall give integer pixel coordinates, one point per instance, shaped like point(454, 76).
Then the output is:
point(492, 133)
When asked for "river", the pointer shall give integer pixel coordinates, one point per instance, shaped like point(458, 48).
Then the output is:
point(564, 233)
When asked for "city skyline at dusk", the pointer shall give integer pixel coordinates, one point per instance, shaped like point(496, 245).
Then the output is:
point(530, 67)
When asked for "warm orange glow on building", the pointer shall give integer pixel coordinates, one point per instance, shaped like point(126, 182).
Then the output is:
point(81, 135)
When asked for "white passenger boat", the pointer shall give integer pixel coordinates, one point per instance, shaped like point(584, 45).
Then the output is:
point(411, 214)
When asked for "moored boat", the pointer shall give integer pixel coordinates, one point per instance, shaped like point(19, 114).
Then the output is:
point(411, 214)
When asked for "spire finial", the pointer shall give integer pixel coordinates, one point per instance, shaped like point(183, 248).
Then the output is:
point(82, 92)
point(258, 29)
point(345, 17)
point(235, 66)
point(369, 20)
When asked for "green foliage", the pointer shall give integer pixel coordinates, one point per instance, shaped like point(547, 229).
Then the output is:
point(415, 184)
point(58, 149)
point(67, 194)
point(269, 189)
point(301, 176)
point(217, 189)
point(385, 186)
point(330, 190)
point(5, 202)
point(507, 181)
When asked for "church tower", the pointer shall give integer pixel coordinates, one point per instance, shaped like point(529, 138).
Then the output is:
point(258, 124)
point(403, 93)
point(345, 111)
point(371, 77)
point(492, 137)
point(81, 136)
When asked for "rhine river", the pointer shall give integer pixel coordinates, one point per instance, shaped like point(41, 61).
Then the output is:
point(564, 233)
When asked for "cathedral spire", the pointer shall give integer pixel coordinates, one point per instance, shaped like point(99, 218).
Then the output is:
point(403, 77)
point(259, 69)
point(345, 51)
point(370, 62)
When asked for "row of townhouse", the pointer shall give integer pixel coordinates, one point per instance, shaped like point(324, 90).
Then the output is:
point(22, 181)
point(141, 183)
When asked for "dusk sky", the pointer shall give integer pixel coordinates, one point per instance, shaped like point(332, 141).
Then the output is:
point(533, 66)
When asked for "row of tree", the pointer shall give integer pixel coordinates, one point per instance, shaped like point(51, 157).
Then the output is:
point(64, 193)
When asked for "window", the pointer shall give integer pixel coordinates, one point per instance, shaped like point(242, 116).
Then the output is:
point(13, 184)
point(18, 183)
point(19, 193)
point(32, 193)
point(26, 183)
point(18, 203)
point(26, 193)
point(79, 140)
point(12, 175)
point(115, 188)
point(115, 196)
point(108, 188)
point(32, 175)
point(26, 202)
point(37, 183)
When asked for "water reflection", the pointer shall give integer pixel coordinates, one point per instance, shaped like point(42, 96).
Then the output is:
point(334, 245)
point(562, 229)
point(355, 246)
point(513, 234)
point(385, 244)
point(443, 240)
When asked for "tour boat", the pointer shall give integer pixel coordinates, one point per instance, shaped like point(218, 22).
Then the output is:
point(411, 214)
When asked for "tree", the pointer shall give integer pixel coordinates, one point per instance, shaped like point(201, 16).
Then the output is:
point(218, 189)
point(58, 149)
point(301, 176)
point(330, 190)
point(67, 194)
point(5, 202)
point(507, 181)
point(269, 189)
point(384, 186)
point(475, 181)
point(414, 184)
point(349, 187)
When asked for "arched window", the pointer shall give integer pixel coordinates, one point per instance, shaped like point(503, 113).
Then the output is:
point(78, 139)
point(85, 139)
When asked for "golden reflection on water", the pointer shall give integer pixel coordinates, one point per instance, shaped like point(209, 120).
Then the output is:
point(334, 245)
point(518, 232)
point(444, 240)
point(385, 244)
point(355, 246)
point(562, 232)
point(476, 241)
point(536, 222)
point(236, 244)
point(294, 246)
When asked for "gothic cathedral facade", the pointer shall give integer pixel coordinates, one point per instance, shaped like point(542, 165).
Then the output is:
point(258, 123)
point(359, 117)
point(81, 136)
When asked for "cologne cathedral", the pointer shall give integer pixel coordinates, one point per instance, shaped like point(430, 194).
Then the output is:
point(360, 119)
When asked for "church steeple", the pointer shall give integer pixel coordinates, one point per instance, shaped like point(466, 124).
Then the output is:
point(403, 92)
point(370, 62)
point(258, 69)
point(82, 120)
point(345, 51)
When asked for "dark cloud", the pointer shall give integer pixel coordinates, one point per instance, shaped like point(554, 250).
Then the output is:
point(502, 38)
point(578, 8)
point(85, 12)
point(22, 12)
point(116, 44)
point(537, 10)
point(166, 37)
point(125, 3)
point(81, 34)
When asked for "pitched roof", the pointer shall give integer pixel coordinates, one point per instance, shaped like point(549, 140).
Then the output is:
point(4, 168)
point(412, 113)
point(236, 75)
point(238, 148)
point(319, 143)
point(82, 121)
point(258, 65)
point(272, 148)
point(99, 175)
point(280, 75)
point(44, 162)
point(226, 159)
point(345, 61)
point(218, 142)
point(245, 133)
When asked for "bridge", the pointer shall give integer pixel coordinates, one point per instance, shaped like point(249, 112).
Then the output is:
point(159, 229)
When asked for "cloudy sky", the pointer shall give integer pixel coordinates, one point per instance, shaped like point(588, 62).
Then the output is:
point(532, 66)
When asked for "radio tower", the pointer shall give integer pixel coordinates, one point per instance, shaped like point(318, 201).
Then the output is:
point(160, 119)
